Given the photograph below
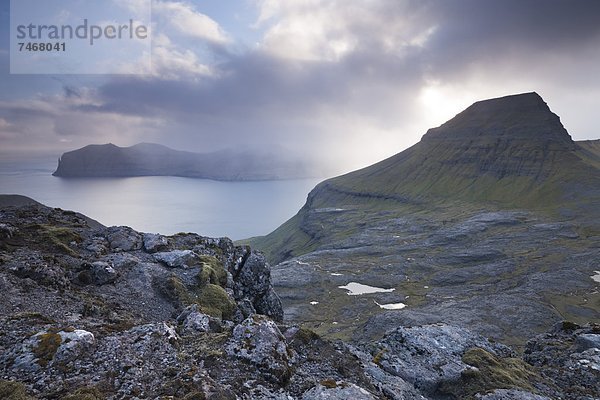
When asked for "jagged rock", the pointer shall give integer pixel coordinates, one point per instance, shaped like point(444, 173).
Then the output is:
point(73, 344)
point(260, 341)
point(155, 242)
point(431, 355)
point(103, 273)
point(7, 231)
point(193, 321)
point(123, 238)
point(97, 245)
point(49, 348)
point(177, 258)
point(246, 307)
point(252, 275)
point(121, 261)
point(394, 387)
point(511, 394)
point(270, 304)
point(587, 341)
point(559, 356)
point(136, 352)
point(34, 266)
point(252, 281)
point(337, 391)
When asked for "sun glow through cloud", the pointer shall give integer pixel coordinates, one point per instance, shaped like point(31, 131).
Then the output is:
point(347, 83)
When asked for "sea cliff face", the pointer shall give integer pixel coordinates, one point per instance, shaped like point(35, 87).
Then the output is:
point(148, 159)
point(94, 312)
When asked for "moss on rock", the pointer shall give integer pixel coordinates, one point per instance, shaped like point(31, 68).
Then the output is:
point(489, 373)
point(194, 396)
point(212, 271)
point(211, 298)
point(87, 393)
point(46, 348)
point(10, 390)
point(214, 301)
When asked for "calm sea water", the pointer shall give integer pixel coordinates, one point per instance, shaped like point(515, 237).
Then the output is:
point(164, 205)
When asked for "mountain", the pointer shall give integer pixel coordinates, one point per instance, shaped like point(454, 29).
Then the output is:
point(148, 159)
point(491, 221)
point(511, 152)
point(91, 312)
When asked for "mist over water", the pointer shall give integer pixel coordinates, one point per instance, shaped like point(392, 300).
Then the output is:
point(164, 205)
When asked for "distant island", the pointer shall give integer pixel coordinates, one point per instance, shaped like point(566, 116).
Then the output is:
point(150, 159)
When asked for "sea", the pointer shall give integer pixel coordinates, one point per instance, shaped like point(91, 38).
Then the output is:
point(165, 205)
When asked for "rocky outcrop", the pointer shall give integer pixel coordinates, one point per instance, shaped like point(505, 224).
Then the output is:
point(431, 356)
point(569, 355)
point(260, 342)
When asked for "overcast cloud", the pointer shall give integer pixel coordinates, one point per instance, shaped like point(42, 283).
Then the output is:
point(346, 82)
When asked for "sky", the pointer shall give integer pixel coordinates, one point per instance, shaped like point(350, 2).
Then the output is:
point(343, 83)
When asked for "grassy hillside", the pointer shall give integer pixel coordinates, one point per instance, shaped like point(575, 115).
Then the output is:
point(506, 153)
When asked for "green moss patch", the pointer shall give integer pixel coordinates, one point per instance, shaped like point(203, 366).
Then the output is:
point(88, 393)
point(46, 348)
point(58, 238)
point(489, 373)
point(212, 299)
point(329, 383)
point(212, 271)
point(13, 391)
point(177, 292)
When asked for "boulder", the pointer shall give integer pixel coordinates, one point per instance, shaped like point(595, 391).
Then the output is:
point(259, 341)
point(49, 348)
point(337, 391)
point(192, 321)
point(587, 341)
point(431, 355)
point(74, 343)
point(252, 281)
point(103, 273)
point(123, 238)
point(155, 242)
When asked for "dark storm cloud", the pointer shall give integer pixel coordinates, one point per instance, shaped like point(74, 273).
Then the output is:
point(395, 48)
point(257, 83)
point(466, 31)
point(510, 30)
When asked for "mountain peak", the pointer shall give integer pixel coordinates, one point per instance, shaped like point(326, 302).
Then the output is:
point(520, 117)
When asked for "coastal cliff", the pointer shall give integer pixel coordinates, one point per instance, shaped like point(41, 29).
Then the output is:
point(149, 159)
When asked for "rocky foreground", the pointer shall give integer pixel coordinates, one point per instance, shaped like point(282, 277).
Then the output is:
point(90, 312)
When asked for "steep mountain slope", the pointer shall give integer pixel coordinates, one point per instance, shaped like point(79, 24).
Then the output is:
point(491, 221)
point(510, 152)
point(149, 159)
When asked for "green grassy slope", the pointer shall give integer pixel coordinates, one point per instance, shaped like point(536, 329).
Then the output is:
point(506, 153)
